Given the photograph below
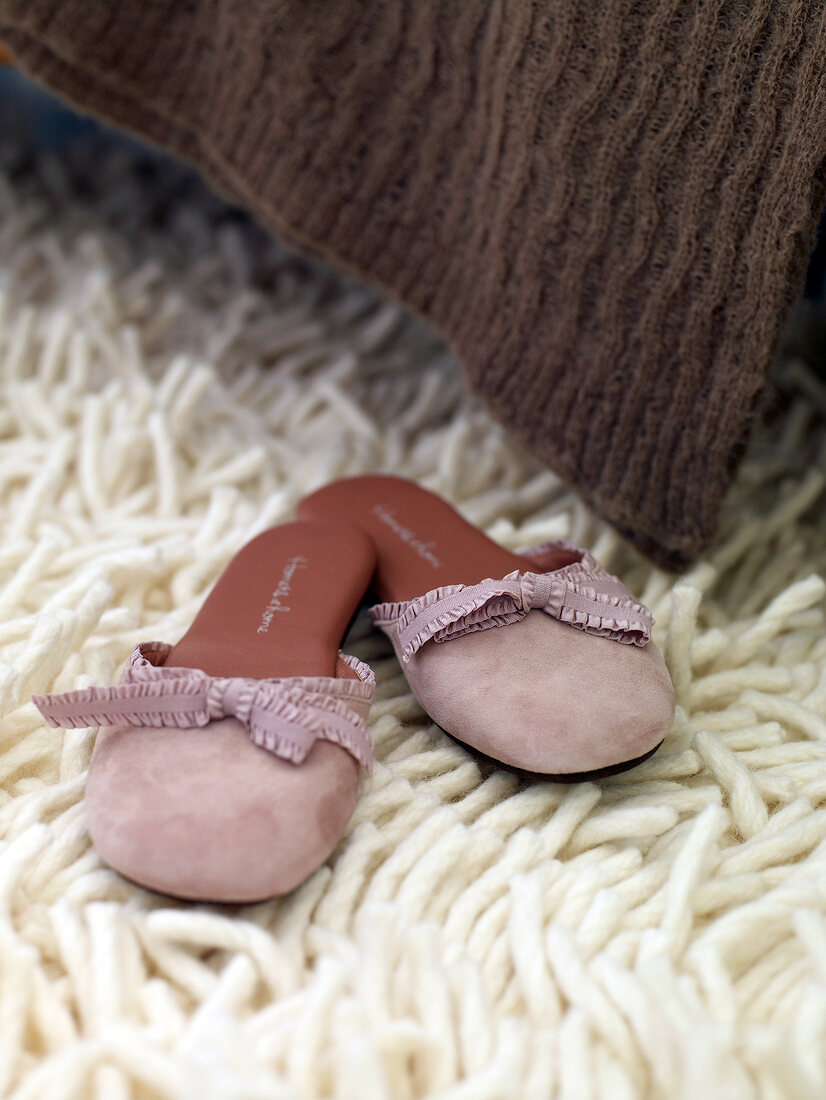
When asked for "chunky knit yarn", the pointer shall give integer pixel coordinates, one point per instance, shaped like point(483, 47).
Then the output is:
point(606, 209)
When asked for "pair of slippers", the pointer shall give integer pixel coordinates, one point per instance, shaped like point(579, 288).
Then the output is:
point(244, 771)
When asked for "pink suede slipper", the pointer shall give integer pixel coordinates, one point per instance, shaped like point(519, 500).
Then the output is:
point(569, 685)
point(228, 765)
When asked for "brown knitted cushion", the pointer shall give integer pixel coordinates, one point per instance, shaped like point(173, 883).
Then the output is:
point(606, 208)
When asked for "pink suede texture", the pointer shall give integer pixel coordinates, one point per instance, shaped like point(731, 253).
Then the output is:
point(544, 697)
point(205, 814)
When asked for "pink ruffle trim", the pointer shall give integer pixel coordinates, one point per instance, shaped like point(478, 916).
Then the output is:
point(283, 716)
point(581, 594)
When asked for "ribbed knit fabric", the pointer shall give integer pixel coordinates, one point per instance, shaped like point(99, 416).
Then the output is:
point(606, 209)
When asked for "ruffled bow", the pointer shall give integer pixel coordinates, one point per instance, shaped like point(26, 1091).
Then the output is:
point(284, 716)
point(581, 594)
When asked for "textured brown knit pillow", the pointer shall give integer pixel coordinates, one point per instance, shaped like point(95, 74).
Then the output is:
point(605, 208)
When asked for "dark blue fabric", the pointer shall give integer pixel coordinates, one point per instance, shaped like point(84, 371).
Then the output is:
point(27, 111)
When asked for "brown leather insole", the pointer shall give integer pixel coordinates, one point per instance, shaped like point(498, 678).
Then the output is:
point(422, 542)
point(283, 604)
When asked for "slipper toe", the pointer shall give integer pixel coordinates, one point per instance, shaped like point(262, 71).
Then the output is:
point(204, 814)
point(544, 697)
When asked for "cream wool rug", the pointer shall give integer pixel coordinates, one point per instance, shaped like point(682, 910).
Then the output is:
point(171, 384)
